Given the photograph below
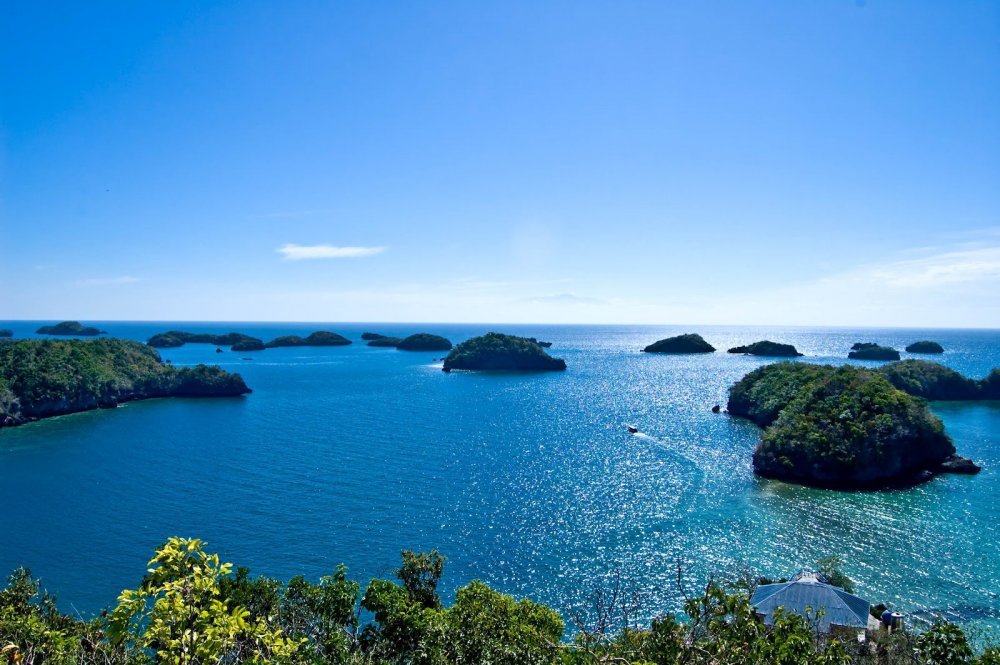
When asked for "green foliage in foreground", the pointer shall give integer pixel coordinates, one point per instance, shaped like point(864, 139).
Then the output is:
point(40, 378)
point(190, 609)
point(496, 351)
point(844, 427)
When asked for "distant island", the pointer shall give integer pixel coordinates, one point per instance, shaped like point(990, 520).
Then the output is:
point(70, 328)
point(544, 345)
point(385, 341)
point(175, 338)
point(925, 346)
point(690, 343)
point(767, 348)
point(872, 351)
point(424, 342)
point(496, 351)
point(43, 378)
point(318, 338)
point(6, 332)
point(841, 427)
point(370, 336)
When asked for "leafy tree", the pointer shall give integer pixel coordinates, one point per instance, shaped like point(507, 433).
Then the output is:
point(944, 644)
point(179, 613)
point(420, 574)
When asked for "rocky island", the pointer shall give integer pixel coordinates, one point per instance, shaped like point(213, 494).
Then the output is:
point(496, 351)
point(933, 381)
point(175, 338)
point(690, 343)
point(767, 348)
point(43, 378)
point(424, 342)
point(70, 328)
point(872, 351)
point(318, 338)
point(840, 427)
point(370, 336)
point(925, 346)
point(6, 332)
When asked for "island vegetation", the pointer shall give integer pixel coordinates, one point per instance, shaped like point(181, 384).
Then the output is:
point(690, 343)
point(74, 328)
point(6, 332)
point(839, 427)
point(386, 342)
point(496, 351)
point(175, 338)
point(872, 351)
point(248, 345)
point(925, 346)
point(424, 342)
point(190, 608)
point(370, 336)
point(318, 338)
point(767, 348)
point(42, 378)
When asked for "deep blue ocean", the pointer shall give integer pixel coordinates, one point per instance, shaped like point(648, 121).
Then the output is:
point(527, 481)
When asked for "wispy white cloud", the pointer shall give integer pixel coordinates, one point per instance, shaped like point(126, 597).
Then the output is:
point(293, 252)
point(107, 281)
point(941, 269)
point(564, 299)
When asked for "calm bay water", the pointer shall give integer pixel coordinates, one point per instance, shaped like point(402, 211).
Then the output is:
point(529, 482)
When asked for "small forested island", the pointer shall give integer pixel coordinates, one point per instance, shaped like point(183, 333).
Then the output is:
point(370, 336)
point(840, 427)
point(385, 341)
point(70, 328)
point(925, 346)
point(690, 343)
point(175, 338)
point(42, 378)
point(872, 351)
point(318, 338)
point(424, 342)
point(544, 345)
point(496, 351)
point(6, 332)
point(933, 381)
point(248, 345)
point(767, 348)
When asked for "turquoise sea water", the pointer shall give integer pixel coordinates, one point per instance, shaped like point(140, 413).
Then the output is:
point(527, 481)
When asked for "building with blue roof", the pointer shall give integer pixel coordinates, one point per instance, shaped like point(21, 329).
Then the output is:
point(806, 595)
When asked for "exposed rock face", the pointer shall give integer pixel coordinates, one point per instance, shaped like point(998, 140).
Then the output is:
point(42, 378)
point(496, 351)
point(392, 342)
point(424, 342)
point(318, 338)
point(767, 348)
point(925, 346)
point(869, 351)
point(70, 328)
point(690, 343)
point(956, 464)
point(843, 428)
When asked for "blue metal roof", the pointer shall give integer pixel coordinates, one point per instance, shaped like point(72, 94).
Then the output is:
point(840, 608)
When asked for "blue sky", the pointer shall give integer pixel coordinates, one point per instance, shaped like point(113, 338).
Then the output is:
point(789, 163)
